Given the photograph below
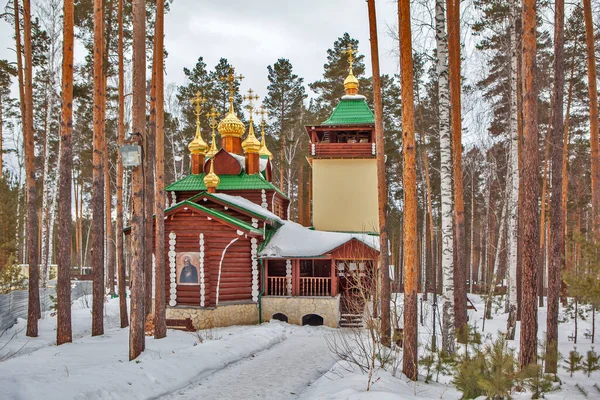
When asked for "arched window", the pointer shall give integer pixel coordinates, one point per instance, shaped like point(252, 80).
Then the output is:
point(312, 320)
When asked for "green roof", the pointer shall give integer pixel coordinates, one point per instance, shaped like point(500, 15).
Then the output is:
point(219, 215)
point(351, 112)
point(243, 181)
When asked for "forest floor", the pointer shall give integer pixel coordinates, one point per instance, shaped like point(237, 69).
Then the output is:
point(270, 361)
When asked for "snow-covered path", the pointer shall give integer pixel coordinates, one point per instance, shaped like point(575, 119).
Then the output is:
point(283, 371)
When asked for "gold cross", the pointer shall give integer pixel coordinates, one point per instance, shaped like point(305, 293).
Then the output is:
point(262, 113)
point(198, 102)
point(230, 79)
point(212, 115)
point(351, 52)
point(250, 98)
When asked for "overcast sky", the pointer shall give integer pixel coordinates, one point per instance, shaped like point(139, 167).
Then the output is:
point(254, 34)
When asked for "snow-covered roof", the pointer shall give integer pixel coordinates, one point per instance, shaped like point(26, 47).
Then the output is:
point(240, 159)
point(262, 163)
point(353, 97)
point(294, 240)
point(248, 205)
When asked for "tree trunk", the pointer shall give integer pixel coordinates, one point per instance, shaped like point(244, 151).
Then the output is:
point(409, 178)
point(136, 332)
point(160, 327)
point(63, 291)
point(431, 234)
point(543, 218)
point(556, 217)
point(149, 190)
point(98, 176)
point(593, 93)
point(513, 216)
point(33, 310)
point(1, 150)
point(496, 268)
point(529, 211)
point(110, 266)
point(460, 293)
point(120, 248)
point(384, 260)
point(448, 310)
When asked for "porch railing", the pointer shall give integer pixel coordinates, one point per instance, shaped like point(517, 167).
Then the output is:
point(277, 286)
point(310, 286)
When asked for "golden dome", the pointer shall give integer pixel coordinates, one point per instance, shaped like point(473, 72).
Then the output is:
point(264, 151)
point(198, 145)
point(231, 125)
point(212, 180)
point(213, 147)
point(251, 144)
point(351, 84)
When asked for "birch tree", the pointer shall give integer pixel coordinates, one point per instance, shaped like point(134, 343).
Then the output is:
point(120, 248)
point(513, 208)
point(445, 180)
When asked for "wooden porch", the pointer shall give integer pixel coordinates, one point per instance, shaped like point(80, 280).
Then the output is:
point(301, 277)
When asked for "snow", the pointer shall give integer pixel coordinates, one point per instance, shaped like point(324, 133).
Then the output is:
point(353, 97)
point(282, 372)
point(269, 361)
point(295, 240)
point(248, 205)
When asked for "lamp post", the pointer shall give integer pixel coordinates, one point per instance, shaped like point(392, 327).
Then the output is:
point(132, 156)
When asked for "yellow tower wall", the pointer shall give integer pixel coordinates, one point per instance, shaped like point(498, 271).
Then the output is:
point(345, 195)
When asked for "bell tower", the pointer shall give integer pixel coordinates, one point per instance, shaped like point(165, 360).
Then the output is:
point(344, 167)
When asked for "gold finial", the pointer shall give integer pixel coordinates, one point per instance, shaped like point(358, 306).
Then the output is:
point(198, 145)
point(251, 143)
point(230, 78)
point(212, 180)
point(212, 115)
point(264, 151)
point(231, 124)
point(351, 83)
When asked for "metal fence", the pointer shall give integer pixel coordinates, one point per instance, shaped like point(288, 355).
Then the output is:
point(14, 304)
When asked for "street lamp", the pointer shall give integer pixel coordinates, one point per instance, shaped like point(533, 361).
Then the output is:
point(131, 151)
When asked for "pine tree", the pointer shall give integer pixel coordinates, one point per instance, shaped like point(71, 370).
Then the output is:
point(98, 175)
point(529, 212)
point(63, 330)
point(556, 216)
point(593, 104)
point(160, 330)
point(136, 332)
point(284, 103)
point(409, 361)
point(573, 363)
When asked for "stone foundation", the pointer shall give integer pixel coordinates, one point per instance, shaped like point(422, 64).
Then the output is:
point(297, 307)
point(223, 315)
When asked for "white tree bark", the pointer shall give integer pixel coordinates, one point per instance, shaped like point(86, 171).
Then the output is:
point(446, 180)
point(514, 182)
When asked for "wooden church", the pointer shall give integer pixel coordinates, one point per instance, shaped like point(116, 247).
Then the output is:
point(232, 255)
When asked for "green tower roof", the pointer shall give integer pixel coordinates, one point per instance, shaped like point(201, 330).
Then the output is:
point(351, 111)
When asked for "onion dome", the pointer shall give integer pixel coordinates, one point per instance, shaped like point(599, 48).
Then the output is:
point(351, 84)
point(231, 125)
point(251, 144)
point(211, 180)
point(213, 147)
point(264, 151)
point(198, 145)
